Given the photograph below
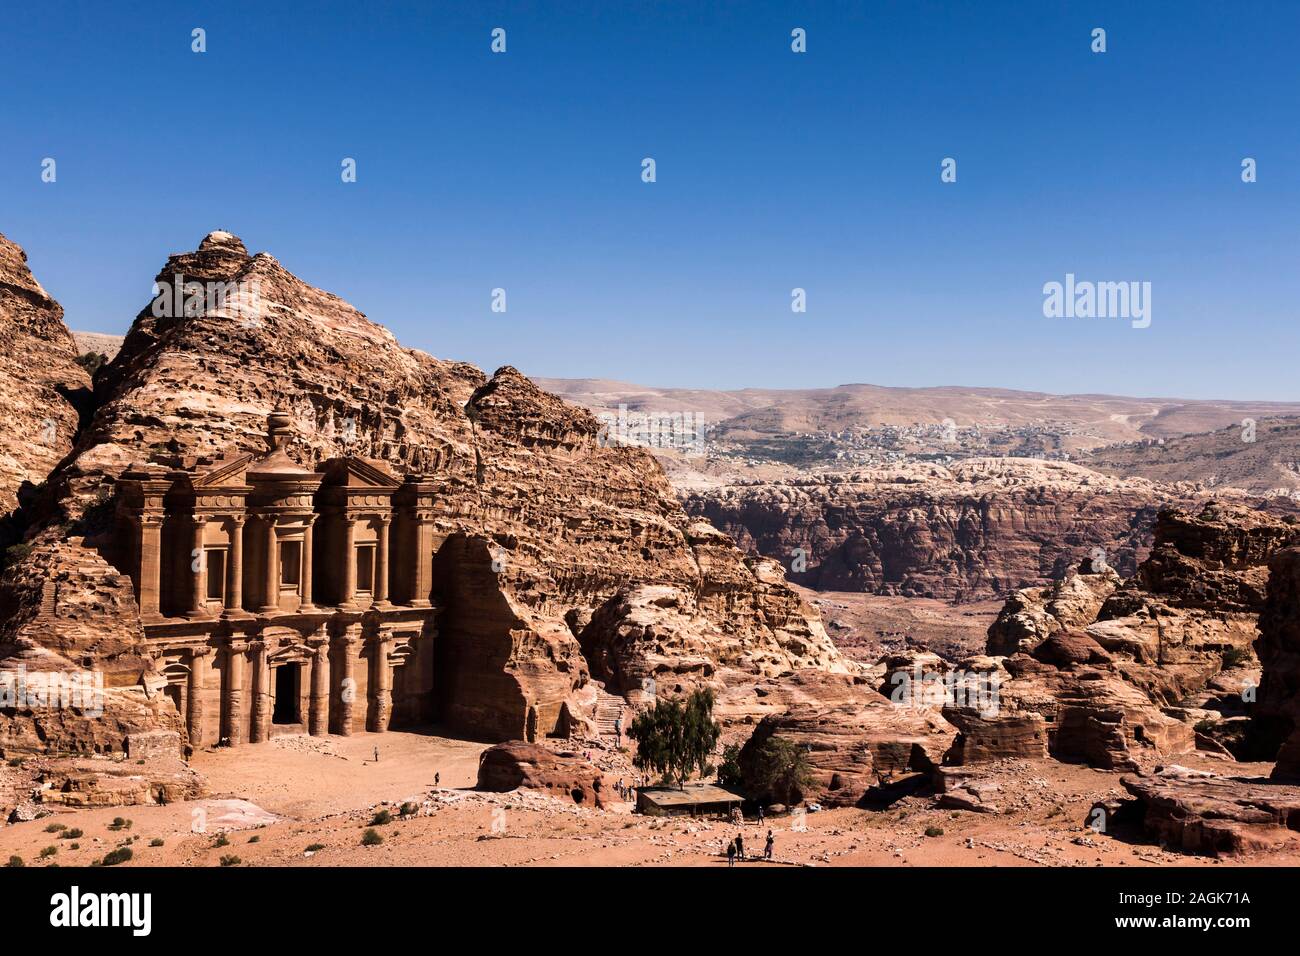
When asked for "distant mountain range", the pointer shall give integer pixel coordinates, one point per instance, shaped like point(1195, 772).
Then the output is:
point(755, 413)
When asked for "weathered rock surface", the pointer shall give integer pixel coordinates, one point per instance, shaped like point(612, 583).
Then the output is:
point(853, 737)
point(1218, 816)
point(1123, 671)
point(539, 524)
point(978, 528)
point(1032, 615)
point(83, 782)
point(515, 764)
point(1277, 710)
point(984, 737)
point(38, 376)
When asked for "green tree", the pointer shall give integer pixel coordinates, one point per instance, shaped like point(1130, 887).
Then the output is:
point(729, 772)
point(780, 767)
point(676, 737)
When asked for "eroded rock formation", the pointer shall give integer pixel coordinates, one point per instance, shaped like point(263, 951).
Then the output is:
point(515, 764)
point(1215, 815)
point(536, 524)
point(1122, 672)
point(853, 737)
point(38, 379)
point(975, 529)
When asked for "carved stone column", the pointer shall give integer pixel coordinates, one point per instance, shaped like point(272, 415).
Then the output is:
point(346, 653)
point(349, 562)
point(150, 585)
point(422, 571)
point(318, 715)
point(271, 582)
point(198, 564)
point(235, 568)
point(381, 685)
point(305, 579)
point(261, 722)
point(194, 694)
point(381, 563)
point(232, 718)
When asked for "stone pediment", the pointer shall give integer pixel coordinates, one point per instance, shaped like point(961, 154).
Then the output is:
point(225, 473)
point(359, 473)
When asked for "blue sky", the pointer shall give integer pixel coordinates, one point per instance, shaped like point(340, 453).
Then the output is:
point(775, 170)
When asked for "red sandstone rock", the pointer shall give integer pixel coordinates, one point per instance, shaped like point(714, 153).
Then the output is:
point(986, 737)
point(1219, 816)
point(38, 376)
point(537, 524)
point(853, 737)
point(515, 764)
point(974, 529)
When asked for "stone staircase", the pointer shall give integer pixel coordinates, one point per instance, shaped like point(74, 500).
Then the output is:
point(609, 707)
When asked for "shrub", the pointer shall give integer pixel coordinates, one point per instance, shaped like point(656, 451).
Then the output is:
point(156, 841)
point(934, 831)
point(409, 809)
point(56, 827)
point(315, 847)
point(15, 861)
point(1236, 657)
point(371, 838)
point(380, 818)
point(120, 823)
point(114, 857)
point(72, 834)
point(91, 361)
point(49, 851)
point(231, 860)
point(255, 839)
point(221, 840)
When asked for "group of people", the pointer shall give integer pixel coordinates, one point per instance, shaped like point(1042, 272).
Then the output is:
point(736, 848)
point(625, 791)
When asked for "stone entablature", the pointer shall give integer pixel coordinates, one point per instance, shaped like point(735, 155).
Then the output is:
point(280, 597)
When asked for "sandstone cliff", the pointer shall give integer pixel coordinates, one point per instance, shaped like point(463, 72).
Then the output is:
point(38, 377)
point(539, 524)
point(1128, 668)
point(975, 529)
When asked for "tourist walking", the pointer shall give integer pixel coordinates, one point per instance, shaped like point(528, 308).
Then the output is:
point(618, 729)
point(376, 755)
point(767, 850)
point(731, 853)
point(740, 845)
point(437, 779)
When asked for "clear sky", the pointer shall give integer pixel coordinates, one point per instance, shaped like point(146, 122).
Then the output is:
point(775, 170)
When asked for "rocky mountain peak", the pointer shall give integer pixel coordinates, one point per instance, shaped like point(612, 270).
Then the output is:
point(223, 241)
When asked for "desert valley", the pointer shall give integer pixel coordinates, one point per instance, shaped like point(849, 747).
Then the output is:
point(278, 591)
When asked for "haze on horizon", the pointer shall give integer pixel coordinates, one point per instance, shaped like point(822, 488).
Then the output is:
point(775, 171)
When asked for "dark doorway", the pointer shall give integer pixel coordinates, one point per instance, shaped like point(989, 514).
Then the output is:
point(174, 692)
point(286, 694)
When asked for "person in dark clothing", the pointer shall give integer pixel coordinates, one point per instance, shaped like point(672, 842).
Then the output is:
point(740, 846)
point(731, 853)
point(767, 850)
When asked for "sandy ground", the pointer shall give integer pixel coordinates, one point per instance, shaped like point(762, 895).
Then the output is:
point(303, 791)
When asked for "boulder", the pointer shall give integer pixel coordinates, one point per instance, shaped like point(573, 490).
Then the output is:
point(518, 765)
point(1215, 815)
